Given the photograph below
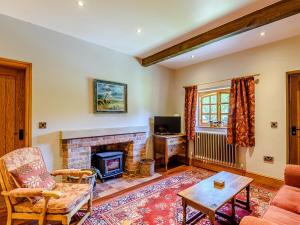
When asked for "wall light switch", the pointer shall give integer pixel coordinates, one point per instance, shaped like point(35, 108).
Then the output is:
point(274, 124)
point(42, 125)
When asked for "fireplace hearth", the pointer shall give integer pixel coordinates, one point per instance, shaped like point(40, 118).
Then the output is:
point(110, 164)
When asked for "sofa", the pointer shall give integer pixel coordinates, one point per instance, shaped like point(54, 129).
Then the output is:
point(285, 207)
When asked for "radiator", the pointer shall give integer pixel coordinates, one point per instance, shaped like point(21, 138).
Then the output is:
point(213, 147)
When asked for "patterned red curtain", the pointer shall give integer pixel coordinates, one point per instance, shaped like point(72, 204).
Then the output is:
point(242, 109)
point(190, 111)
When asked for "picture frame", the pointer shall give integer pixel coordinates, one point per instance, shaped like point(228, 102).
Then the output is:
point(110, 97)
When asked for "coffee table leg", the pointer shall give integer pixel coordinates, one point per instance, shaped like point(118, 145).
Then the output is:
point(184, 212)
point(233, 210)
point(166, 163)
point(212, 217)
point(248, 197)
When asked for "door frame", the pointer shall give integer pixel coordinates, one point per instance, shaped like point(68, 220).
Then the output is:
point(28, 93)
point(288, 74)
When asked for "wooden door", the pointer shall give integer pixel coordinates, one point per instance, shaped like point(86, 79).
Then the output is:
point(294, 118)
point(12, 109)
point(15, 110)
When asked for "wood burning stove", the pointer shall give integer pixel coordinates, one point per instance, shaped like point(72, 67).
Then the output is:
point(108, 163)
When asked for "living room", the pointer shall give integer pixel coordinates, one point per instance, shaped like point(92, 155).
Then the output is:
point(70, 52)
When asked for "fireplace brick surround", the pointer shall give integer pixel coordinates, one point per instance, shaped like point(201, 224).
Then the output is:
point(76, 152)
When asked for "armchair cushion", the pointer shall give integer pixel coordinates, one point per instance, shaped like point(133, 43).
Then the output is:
point(11, 161)
point(292, 175)
point(71, 195)
point(288, 198)
point(33, 175)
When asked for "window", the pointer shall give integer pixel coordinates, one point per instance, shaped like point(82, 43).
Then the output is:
point(213, 108)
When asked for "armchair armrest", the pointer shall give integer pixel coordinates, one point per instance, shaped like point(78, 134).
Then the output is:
point(24, 192)
point(71, 172)
point(292, 175)
point(250, 220)
point(52, 194)
point(32, 192)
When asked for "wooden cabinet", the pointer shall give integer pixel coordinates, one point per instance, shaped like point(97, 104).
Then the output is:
point(166, 146)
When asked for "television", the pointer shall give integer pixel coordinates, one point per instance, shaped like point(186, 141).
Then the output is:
point(167, 124)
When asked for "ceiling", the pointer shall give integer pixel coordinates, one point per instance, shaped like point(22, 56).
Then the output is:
point(276, 31)
point(163, 23)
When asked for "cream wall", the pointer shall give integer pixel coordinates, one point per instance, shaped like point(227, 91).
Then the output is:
point(63, 69)
point(272, 61)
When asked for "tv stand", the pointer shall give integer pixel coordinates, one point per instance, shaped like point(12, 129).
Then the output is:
point(166, 146)
point(168, 134)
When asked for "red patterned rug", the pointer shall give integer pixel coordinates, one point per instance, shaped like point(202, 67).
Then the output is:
point(158, 203)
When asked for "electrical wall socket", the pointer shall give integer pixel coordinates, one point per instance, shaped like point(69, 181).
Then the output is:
point(274, 124)
point(42, 125)
point(268, 159)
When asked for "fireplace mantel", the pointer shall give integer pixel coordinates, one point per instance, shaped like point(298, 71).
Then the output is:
point(74, 134)
point(77, 145)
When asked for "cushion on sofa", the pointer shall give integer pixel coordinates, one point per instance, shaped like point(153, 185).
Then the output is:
point(281, 216)
point(33, 175)
point(288, 198)
point(251, 220)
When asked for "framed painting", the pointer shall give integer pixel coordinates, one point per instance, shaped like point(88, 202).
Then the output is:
point(110, 97)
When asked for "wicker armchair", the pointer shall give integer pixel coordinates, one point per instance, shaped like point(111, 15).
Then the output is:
point(57, 203)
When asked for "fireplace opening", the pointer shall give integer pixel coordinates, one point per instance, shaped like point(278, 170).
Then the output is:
point(109, 164)
point(109, 160)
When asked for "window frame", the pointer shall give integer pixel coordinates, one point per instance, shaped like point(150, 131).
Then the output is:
point(218, 93)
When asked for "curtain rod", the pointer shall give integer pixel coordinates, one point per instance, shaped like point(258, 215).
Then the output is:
point(213, 82)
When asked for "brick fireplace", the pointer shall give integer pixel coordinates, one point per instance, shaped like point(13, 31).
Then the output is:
point(77, 146)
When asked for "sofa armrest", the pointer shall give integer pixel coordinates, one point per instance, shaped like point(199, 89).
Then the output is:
point(31, 192)
point(250, 220)
point(72, 172)
point(292, 175)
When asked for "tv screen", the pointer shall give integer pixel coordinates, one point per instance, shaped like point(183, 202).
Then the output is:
point(167, 124)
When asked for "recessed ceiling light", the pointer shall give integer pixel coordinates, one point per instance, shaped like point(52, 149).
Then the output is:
point(139, 30)
point(262, 33)
point(192, 56)
point(81, 3)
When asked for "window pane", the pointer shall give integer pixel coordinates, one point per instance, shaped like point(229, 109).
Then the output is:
point(224, 119)
point(214, 118)
point(213, 108)
point(225, 98)
point(205, 118)
point(213, 99)
point(205, 100)
point(224, 108)
point(205, 108)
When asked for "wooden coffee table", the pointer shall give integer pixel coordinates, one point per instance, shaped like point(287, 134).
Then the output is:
point(207, 199)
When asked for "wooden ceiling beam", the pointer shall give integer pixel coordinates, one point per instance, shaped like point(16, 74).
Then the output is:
point(269, 14)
